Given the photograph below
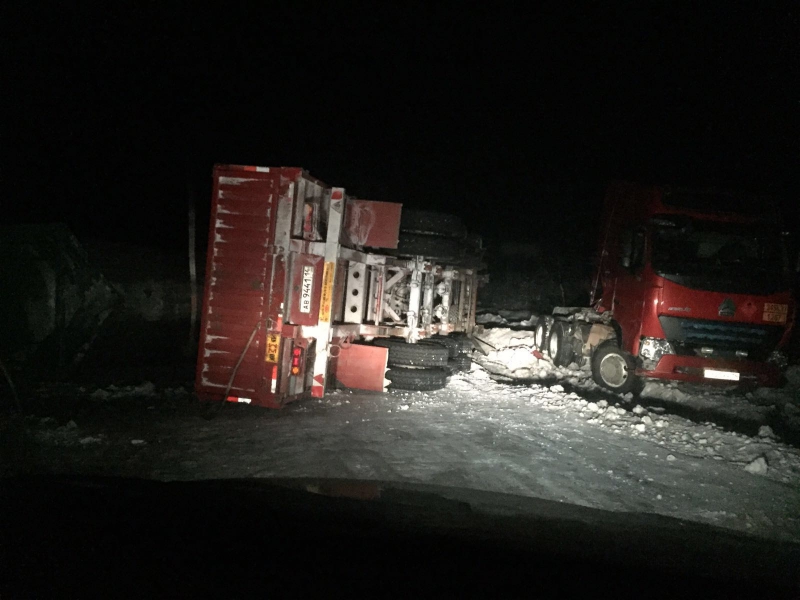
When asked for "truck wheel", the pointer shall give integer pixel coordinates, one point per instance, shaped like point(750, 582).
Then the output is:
point(460, 364)
point(463, 343)
point(421, 354)
point(441, 248)
point(540, 334)
point(614, 369)
point(446, 342)
point(456, 344)
point(558, 347)
point(422, 380)
point(432, 223)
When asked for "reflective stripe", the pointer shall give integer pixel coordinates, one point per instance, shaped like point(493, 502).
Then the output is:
point(274, 385)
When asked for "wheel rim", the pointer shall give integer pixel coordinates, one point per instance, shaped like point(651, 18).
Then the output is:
point(614, 370)
point(552, 347)
point(538, 338)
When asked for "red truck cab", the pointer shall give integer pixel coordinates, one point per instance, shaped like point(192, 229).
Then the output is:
point(697, 284)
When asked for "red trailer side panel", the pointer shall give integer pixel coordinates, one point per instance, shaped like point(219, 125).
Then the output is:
point(237, 267)
point(250, 278)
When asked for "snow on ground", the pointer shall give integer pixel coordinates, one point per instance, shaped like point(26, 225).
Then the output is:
point(674, 433)
point(532, 440)
point(513, 424)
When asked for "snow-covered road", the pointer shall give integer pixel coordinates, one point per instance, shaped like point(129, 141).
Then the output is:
point(477, 433)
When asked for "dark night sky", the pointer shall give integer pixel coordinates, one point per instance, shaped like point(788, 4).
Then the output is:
point(497, 114)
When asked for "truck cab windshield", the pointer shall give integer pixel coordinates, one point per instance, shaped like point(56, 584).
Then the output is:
point(724, 257)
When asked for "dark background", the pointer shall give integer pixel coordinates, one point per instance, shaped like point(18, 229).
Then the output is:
point(513, 116)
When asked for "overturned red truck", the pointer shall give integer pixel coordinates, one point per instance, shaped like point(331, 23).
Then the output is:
point(307, 287)
point(692, 285)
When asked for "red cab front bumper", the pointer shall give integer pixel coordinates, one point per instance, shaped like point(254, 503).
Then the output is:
point(693, 369)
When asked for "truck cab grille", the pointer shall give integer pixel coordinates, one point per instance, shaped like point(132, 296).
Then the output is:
point(688, 335)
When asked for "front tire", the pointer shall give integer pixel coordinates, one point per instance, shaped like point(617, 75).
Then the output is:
point(614, 369)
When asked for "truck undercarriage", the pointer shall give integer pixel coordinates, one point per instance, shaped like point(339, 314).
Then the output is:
point(302, 278)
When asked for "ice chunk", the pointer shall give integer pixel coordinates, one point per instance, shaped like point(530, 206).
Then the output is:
point(765, 431)
point(757, 466)
point(89, 440)
point(146, 388)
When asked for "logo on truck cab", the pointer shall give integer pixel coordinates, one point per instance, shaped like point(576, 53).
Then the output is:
point(727, 308)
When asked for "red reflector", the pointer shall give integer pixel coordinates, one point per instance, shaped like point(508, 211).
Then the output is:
point(296, 352)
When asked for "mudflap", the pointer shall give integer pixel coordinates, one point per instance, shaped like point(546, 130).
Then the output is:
point(362, 367)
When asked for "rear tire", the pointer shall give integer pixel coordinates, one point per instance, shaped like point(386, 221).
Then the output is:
point(460, 364)
point(456, 344)
point(465, 345)
point(446, 342)
point(614, 369)
point(421, 380)
point(431, 247)
point(540, 334)
point(558, 346)
point(432, 223)
point(421, 354)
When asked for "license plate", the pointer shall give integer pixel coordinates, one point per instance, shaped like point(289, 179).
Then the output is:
point(775, 313)
point(717, 374)
point(306, 289)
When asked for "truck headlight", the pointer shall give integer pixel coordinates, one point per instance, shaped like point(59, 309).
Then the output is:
point(654, 348)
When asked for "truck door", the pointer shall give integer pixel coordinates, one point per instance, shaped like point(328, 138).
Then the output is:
point(629, 291)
